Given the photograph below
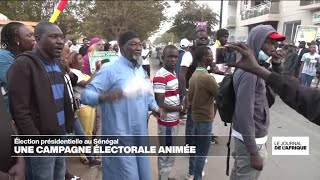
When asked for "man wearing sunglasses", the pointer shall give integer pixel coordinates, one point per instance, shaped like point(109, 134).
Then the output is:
point(188, 66)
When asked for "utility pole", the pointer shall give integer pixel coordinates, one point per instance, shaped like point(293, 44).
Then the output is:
point(172, 38)
point(202, 14)
point(221, 9)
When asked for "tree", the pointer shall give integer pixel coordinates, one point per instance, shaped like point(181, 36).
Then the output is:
point(22, 10)
point(166, 38)
point(109, 19)
point(184, 22)
point(68, 21)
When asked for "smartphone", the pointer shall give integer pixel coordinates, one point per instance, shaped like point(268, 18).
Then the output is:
point(226, 55)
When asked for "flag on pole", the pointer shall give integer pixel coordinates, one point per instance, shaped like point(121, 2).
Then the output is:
point(58, 10)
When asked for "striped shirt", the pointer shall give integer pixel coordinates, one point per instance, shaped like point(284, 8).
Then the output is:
point(57, 84)
point(167, 83)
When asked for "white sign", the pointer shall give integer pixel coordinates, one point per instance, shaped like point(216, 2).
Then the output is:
point(316, 18)
point(306, 33)
point(290, 145)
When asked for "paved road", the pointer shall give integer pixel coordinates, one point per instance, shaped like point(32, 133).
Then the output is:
point(284, 122)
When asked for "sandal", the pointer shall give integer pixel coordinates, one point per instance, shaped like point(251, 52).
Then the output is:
point(85, 161)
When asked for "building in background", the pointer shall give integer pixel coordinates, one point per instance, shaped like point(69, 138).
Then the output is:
point(284, 16)
point(5, 20)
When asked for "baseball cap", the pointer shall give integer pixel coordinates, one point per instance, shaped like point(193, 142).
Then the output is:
point(184, 42)
point(276, 36)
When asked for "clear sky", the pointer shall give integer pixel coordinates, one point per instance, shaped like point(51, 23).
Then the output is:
point(175, 8)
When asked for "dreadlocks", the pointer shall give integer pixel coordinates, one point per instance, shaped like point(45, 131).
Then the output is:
point(9, 33)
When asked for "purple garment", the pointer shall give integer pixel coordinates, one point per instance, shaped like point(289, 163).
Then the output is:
point(86, 65)
point(94, 41)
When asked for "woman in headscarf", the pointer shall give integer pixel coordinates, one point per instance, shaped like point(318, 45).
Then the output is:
point(96, 44)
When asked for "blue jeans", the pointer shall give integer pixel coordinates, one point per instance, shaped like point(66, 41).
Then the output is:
point(306, 80)
point(77, 128)
point(202, 142)
point(189, 127)
point(48, 168)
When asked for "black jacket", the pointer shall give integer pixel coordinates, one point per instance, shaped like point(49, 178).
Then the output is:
point(304, 50)
point(305, 100)
point(32, 104)
point(6, 131)
point(290, 64)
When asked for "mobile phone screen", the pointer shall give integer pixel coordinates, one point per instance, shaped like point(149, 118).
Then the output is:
point(226, 56)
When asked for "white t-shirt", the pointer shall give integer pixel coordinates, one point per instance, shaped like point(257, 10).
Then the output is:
point(77, 90)
point(69, 86)
point(310, 62)
point(145, 53)
point(75, 48)
point(186, 59)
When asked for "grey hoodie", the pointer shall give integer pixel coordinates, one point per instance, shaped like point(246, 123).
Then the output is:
point(251, 116)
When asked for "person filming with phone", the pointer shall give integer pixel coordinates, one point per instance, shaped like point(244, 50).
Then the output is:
point(251, 115)
point(300, 98)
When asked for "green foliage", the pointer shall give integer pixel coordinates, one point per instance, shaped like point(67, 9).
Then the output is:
point(36, 11)
point(108, 19)
point(166, 38)
point(184, 22)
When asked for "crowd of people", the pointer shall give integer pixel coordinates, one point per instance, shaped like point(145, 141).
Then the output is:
point(48, 88)
point(302, 61)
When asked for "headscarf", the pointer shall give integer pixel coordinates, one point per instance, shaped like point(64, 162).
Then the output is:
point(94, 40)
point(86, 63)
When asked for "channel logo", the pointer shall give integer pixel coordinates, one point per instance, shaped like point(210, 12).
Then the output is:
point(290, 145)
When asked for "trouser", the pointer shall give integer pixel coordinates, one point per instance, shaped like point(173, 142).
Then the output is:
point(189, 127)
point(166, 161)
point(48, 168)
point(242, 169)
point(202, 132)
point(306, 80)
point(77, 128)
point(97, 122)
point(87, 116)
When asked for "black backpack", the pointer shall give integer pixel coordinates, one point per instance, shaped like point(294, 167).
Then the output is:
point(226, 101)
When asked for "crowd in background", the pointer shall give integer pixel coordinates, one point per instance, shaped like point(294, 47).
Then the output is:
point(49, 89)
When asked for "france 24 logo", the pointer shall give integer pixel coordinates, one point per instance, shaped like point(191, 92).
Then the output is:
point(290, 145)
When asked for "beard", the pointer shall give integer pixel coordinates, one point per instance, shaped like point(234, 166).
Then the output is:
point(137, 58)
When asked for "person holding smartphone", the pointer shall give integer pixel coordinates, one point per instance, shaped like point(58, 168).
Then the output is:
point(251, 115)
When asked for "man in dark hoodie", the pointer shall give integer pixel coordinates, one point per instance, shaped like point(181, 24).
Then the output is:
point(39, 99)
point(251, 116)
